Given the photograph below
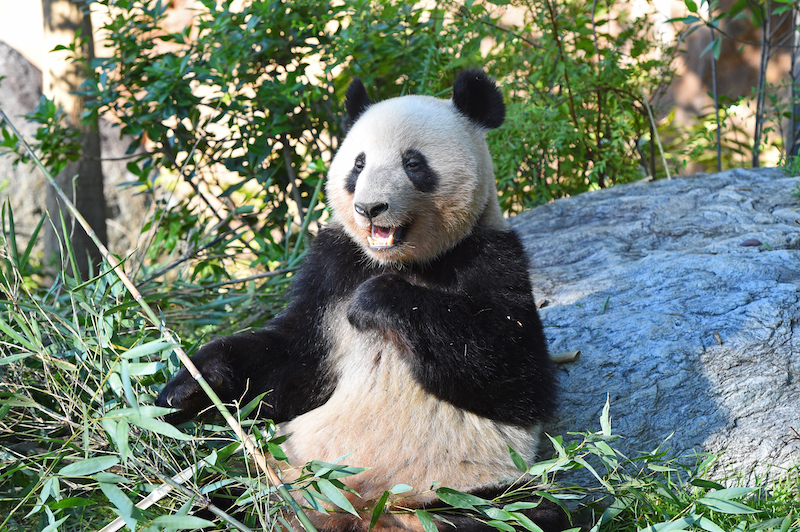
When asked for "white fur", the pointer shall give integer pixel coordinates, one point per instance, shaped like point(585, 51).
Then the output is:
point(414, 438)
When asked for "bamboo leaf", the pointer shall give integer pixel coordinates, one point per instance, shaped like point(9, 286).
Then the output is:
point(425, 520)
point(182, 522)
point(53, 527)
point(23, 261)
point(378, 510)
point(118, 498)
point(610, 513)
point(159, 427)
point(143, 350)
point(498, 514)
point(707, 524)
point(6, 328)
point(87, 467)
point(500, 525)
point(71, 502)
point(335, 496)
point(725, 506)
point(732, 493)
point(522, 505)
point(519, 462)
point(13, 358)
point(458, 499)
point(670, 526)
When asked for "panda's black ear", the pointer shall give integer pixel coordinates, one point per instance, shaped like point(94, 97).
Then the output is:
point(356, 100)
point(477, 97)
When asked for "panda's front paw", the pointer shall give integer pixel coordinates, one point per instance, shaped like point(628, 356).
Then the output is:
point(185, 394)
point(378, 303)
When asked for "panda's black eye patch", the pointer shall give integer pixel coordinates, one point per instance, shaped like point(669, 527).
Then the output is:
point(419, 171)
point(352, 177)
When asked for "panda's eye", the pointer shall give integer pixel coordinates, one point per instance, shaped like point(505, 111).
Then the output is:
point(361, 160)
point(419, 171)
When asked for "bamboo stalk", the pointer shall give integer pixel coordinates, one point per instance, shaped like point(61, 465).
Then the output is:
point(116, 266)
point(565, 357)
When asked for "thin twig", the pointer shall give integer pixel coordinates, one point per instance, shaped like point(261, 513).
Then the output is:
point(761, 84)
point(655, 130)
point(714, 90)
point(561, 54)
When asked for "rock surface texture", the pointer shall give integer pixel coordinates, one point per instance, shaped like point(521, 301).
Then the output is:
point(687, 330)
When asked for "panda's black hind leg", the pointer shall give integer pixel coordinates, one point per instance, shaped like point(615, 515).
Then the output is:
point(547, 515)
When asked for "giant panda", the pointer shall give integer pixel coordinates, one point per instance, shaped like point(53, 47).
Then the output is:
point(411, 339)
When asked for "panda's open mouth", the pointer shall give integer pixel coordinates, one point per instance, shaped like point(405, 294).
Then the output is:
point(384, 237)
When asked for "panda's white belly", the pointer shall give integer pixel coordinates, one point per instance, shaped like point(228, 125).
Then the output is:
point(390, 424)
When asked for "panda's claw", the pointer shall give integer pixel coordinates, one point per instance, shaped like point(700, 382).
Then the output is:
point(185, 394)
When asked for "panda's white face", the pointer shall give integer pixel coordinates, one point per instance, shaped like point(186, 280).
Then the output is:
point(411, 179)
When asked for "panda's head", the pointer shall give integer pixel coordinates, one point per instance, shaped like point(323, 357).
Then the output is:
point(414, 176)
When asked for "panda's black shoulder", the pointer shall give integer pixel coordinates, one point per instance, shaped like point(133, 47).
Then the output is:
point(333, 265)
point(503, 244)
point(493, 257)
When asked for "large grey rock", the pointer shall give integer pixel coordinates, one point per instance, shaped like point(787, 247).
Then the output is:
point(685, 329)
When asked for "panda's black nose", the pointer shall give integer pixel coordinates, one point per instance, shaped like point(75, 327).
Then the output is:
point(370, 210)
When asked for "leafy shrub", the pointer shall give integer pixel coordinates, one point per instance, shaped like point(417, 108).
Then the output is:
point(244, 105)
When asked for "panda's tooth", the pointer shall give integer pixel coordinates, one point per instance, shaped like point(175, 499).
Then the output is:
point(377, 240)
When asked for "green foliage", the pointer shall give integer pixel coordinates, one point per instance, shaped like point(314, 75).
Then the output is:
point(56, 141)
point(576, 119)
point(770, 106)
point(244, 104)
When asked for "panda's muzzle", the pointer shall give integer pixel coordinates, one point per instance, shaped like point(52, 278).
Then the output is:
point(379, 237)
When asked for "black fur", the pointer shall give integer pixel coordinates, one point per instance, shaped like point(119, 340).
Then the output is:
point(356, 100)
point(469, 319)
point(477, 97)
point(548, 515)
point(419, 171)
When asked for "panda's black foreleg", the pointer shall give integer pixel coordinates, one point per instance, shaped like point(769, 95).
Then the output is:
point(184, 393)
point(241, 367)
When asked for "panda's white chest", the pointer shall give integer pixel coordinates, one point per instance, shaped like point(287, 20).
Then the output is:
point(390, 424)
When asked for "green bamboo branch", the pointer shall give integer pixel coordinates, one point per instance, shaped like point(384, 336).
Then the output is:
point(116, 266)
